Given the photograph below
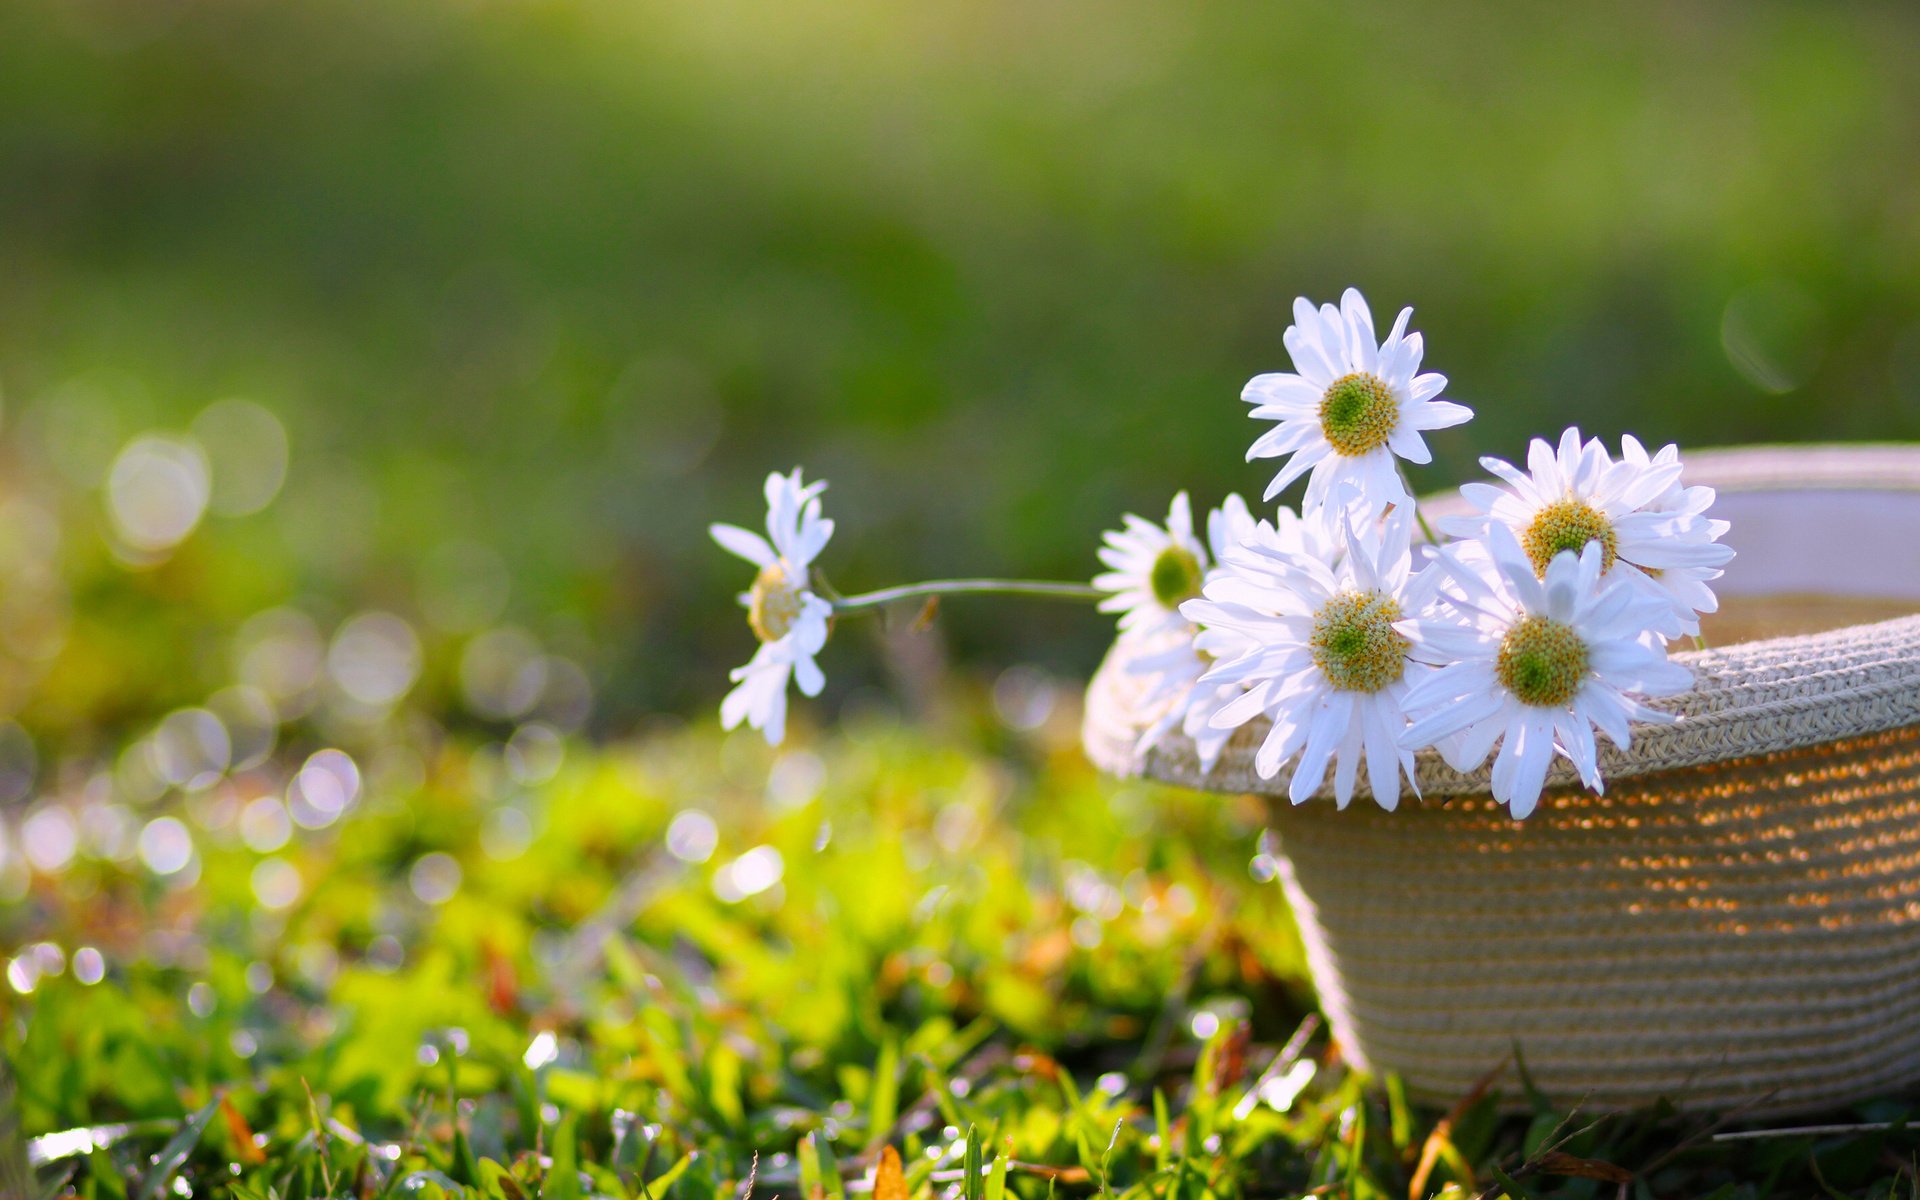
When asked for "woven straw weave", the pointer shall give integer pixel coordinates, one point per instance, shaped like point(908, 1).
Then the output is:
point(1736, 922)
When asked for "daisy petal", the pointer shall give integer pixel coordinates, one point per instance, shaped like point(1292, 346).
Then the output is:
point(743, 542)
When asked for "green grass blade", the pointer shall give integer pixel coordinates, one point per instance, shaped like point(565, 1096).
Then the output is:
point(563, 1177)
point(996, 1185)
point(177, 1150)
point(883, 1104)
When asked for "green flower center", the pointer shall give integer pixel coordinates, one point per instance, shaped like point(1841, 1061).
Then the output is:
point(1175, 576)
point(1568, 525)
point(1541, 662)
point(1355, 644)
point(774, 603)
point(1357, 413)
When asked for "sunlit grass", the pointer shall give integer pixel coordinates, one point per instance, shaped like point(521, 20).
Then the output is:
point(682, 962)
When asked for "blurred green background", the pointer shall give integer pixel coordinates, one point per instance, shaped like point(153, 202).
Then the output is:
point(371, 371)
point(524, 295)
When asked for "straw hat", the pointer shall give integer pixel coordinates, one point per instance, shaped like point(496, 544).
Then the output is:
point(1736, 922)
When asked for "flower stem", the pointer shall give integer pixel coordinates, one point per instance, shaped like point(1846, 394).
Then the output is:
point(952, 587)
point(1432, 539)
point(1418, 516)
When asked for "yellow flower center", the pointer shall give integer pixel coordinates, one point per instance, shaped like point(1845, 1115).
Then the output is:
point(1357, 413)
point(1541, 662)
point(1175, 576)
point(774, 603)
point(1568, 525)
point(1355, 644)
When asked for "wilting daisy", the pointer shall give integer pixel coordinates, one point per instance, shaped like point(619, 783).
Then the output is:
point(1320, 652)
point(789, 620)
point(1351, 406)
point(1535, 662)
point(1652, 532)
point(1151, 570)
point(1176, 692)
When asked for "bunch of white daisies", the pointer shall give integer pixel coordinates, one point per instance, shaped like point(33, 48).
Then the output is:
point(1542, 617)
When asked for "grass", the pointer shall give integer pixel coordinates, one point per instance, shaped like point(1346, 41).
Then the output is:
point(682, 967)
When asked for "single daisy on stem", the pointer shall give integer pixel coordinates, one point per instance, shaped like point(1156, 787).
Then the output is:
point(1535, 662)
point(782, 609)
point(1351, 408)
point(790, 604)
point(1652, 532)
point(1320, 649)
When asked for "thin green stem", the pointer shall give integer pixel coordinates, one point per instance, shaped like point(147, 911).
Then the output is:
point(1040, 589)
point(1432, 538)
point(1406, 484)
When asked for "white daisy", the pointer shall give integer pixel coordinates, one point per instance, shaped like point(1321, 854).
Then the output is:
point(1321, 652)
point(1685, 585)
point(1653, 532)
point(789, 620)
point(1176, 692)
point(1151, 570)
point(1537, 663)
point(1180, 700)
point(1350, 406)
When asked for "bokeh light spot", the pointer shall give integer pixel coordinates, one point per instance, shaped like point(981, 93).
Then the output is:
point(435, 878)
point(157, 491)
point(323, 788)
point(276, 883)
point(165, 846)
point(280, 652)
point(190, 749)
point(506, 835)
point(49, 839)
point(375, 658)
point(265, 825)
point(692, 836)
point(502, 673)
point(1024, 697)
point(749, 875)
point(89, 965)
point(534, 754)
point(247, 448)
point(795, 778)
